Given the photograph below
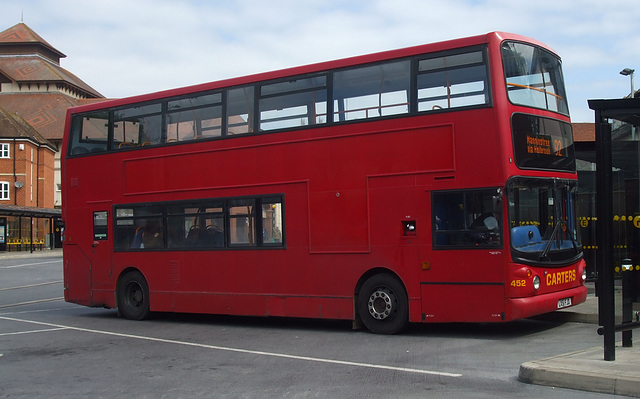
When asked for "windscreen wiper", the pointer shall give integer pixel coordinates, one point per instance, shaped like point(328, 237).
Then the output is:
point(547, 248)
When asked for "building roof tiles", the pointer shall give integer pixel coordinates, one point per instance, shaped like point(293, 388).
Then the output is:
point(13, 126)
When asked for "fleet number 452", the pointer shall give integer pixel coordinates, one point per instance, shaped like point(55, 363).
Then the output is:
point(518, 283)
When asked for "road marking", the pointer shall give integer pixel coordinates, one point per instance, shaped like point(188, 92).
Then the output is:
point(31, 285)
point(30, 264)
point(33, 311)
point(31, 302)
point(238, 350)
point(33, 331)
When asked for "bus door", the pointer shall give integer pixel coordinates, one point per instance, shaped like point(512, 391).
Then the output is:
point(466, 280)
point(87, 254)
point(100, 254)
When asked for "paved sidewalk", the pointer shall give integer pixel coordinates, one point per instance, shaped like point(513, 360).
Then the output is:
point(587, 370)
point(582, 370)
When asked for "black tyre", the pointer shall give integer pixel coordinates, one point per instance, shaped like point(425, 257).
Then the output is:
point(133, 296)
point(383, 305)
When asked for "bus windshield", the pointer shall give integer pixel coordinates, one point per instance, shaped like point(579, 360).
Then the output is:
point(534, 77)
point(541, 215)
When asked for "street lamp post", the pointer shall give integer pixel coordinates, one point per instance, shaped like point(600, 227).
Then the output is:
point(629, 72)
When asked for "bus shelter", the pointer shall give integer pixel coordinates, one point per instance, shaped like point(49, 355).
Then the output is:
point(24, 228)
point(617, 170)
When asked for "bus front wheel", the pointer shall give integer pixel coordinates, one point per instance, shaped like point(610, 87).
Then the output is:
point(382, 304)
point(133, 296)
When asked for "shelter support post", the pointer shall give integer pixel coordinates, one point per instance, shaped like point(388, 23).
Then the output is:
point(604, 234)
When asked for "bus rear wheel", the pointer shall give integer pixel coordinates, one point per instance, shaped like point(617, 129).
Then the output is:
point(133, 296)
point(383, 305)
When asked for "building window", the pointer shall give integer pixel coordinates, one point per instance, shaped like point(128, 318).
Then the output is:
point(4, 190)
point(4, 150)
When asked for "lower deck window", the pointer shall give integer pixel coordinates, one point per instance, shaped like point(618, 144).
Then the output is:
point(467, 219)
point(201, 224)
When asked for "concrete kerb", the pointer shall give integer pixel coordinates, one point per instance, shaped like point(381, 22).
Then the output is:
point(40, 253)
point(587, 370)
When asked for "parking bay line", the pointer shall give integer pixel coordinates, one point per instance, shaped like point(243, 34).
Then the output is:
point(12, 305)
point(30, 264)
point(237, 350)
point(31, 285)
point(33, 331)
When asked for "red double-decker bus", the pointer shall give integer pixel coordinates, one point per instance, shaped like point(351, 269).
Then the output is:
point(428, 184)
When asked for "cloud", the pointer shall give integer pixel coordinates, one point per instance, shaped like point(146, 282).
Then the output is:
point(123, 48)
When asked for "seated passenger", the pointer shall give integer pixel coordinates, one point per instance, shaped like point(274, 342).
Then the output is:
point(148, 236)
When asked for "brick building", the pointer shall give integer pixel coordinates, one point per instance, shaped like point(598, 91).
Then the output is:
point(26, 164)
point(35, 92)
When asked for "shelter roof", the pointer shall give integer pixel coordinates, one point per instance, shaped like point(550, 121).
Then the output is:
point(623, 109)
point(29, 211)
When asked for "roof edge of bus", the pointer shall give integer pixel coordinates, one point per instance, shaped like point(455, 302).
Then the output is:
point(310, 69)
point(513, 36)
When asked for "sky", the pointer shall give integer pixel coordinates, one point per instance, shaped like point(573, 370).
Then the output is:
point(129, 47)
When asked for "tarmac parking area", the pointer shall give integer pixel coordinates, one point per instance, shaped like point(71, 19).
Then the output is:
point(56, 349)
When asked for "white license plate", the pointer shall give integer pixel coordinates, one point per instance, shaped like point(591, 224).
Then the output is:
point(564, 302)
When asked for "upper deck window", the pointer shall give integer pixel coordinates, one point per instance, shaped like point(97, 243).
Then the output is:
point(294, 103)
point(240, 110)
point(534, 77)
point(445, 80)
point(194, 117)
point(371, 91)
point(89, 133)
point(139, 125)
point(451, 81)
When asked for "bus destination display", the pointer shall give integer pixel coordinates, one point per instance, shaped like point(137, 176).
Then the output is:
point(542, 143)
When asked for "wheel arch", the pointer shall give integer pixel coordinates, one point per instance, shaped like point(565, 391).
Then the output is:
point(374, 271)
point(368, 274)
point(381, 302)
point(136, 308)
point(124, 272)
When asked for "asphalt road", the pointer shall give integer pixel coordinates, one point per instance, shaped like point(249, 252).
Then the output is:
point(55, 349)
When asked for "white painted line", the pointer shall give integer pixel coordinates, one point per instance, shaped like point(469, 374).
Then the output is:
point(31, 264)
point(34, 311)
point(32, 331)
point(11, 305)
point(31, 285)
point(237, 350)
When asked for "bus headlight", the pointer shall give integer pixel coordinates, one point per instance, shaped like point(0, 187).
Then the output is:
point(536, 283)
point(584, 274)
